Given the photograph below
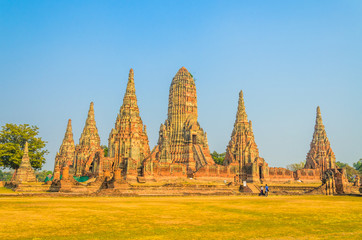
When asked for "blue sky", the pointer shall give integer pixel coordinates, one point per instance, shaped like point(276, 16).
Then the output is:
point(288, 57)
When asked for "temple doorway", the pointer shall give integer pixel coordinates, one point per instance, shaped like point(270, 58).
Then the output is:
point(124, 168)
point(91, 168)
point(260, 172)
point(194, 139)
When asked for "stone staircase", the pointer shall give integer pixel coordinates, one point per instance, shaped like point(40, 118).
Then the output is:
point(201, 158)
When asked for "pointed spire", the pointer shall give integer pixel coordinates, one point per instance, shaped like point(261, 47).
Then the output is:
point(90, 131)
point(242, 147)
point(130, 90)
point(69, 127)
point(26, 149)
point(25, 159)
point(241, 114)
point(68, 136)
point(319, 116)
point(91, 112)
point(68, 141)
point(25, 173)
point(320, 154)
point(131, 75)
point(128, 129)
point(319, 123)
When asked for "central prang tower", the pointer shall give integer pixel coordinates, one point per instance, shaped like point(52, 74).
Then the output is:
point(181, 139)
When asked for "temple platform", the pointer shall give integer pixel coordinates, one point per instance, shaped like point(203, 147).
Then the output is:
point(28, 187)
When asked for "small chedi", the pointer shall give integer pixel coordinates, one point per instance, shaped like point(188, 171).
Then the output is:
point(242, 151)
point(182, 151)
point(65, 156)
point(320, 155)
point(88, 152)
point(25, 173)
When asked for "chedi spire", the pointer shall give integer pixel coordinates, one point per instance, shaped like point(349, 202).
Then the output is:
point(320, 155)
point(128, 141)
point(26, 150)
point(90, 132)
point(89, 152)
point(65, 156)
point(242, 147)
point(241, 113)
point(25, 173)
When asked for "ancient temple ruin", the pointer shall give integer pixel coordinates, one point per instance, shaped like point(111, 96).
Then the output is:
point(88, 152)
point(182, 146)
point(320, 155)
point(242, 152)
point(25, 173)
point(128, 142)
point(182, 151)
point(65, 156)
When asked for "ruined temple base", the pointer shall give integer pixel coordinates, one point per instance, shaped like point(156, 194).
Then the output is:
point(116, 185)
point(72, 186)
point(173, 189)
point(27, 187)
point(178, 188)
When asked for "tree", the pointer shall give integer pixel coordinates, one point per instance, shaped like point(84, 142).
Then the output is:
point(40, 176)
point(105, 150)
point(12, 142)
point(218, 158)
point(6, 176)
point(296, 166)
point(358, 166)
point(350, 171)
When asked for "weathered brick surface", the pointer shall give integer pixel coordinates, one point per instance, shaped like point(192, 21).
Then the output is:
point(242, 151)
point(128, 142)
point(320, 155)
point(181, 141)
point(66, 154)
point(25, 173)
point(88, 152)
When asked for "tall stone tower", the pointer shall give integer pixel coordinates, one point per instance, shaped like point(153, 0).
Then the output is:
point(242, 147)
point(242, 150)
point(128, 141)
point(181, 139)
point(25, 173)
point(320, 155)
point(65, 156)
point(89, 146)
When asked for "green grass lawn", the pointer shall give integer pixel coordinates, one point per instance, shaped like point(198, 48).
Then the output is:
point(5, 190)
point(214, 217)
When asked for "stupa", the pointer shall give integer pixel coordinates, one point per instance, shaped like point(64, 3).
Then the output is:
point(88, 152)
point(181, 138)
point(320, 155)
point(128, 141)
point(25, 173)
point(242, 150)
point(65, 156)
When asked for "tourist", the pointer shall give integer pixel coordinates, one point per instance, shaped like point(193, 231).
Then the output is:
point(266, 190)
point(261, 191)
